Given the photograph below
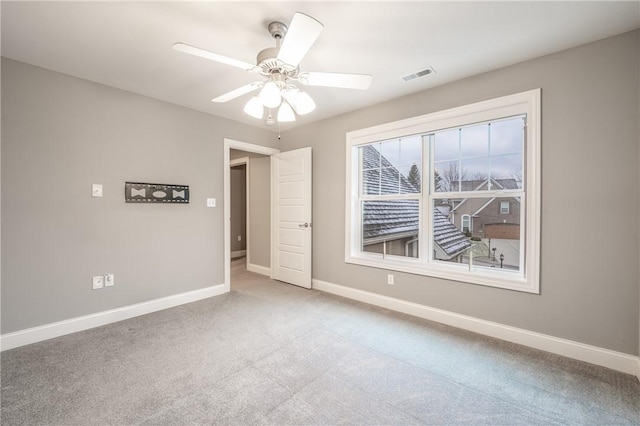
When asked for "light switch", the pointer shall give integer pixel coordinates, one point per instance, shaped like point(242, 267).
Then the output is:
point(96, 190)
point(109, 280)
point(97, 282)
point(211, 202)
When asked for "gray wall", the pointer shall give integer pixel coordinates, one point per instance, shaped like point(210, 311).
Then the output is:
point(589, 274)
point(61, 134)
point(238, 207)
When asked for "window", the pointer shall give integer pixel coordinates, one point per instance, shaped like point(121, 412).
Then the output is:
point(466, 223)
point(453, 194)
point(504, 207)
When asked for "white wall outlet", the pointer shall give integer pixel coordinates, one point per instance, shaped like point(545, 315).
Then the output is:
point(109, 280)
point(98, 282)
point(96, 190)
point(211, 202)
point(390, 279)
point(239, 237)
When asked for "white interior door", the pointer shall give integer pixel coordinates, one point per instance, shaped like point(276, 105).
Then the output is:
point(291, 217)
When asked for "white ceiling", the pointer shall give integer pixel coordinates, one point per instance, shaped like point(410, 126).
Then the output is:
point(128, 44)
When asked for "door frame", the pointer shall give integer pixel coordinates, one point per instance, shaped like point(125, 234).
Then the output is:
point(230, 144)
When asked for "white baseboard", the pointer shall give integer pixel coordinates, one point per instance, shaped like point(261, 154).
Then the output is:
point(60, 328)
point(619, 361)
point(259, 269)
point(238, 253)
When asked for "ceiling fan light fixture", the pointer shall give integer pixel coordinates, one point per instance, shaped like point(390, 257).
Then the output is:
point(301, 102)
point(285, 113)
point(279, 66)
point(254, 108)
point(304, 103)
point(270, 95)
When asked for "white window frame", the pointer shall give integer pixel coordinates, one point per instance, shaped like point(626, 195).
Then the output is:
point(528, 278)
point(503, 210)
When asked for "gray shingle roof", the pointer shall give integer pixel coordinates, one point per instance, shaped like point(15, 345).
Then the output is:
point(390, 218)
point(447, 236)
point(393, 219)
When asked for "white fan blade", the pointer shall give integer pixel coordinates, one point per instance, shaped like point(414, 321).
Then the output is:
point(185, 48)
point(236, 93)
point(302, 33)
point(334, 79)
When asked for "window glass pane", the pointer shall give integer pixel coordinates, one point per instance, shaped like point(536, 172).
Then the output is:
point(390, 227)
point(390, 181)
point(486, 157)
point(446, 145)
point(507, 136)
point(506, 170)
point(371, 182)
point(410, 165)
point(392, 167)
point(370, 156)
point(390, 151)
point(466, 228)
point(447, 175)
point(413, 181)
point(474, 141)
point(450, 243)
point(474, 174)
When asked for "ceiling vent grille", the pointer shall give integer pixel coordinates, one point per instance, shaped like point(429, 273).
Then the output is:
point(422, 73)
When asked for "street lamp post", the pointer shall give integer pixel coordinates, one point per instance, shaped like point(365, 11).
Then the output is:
point(501, 259)
point(489, 248)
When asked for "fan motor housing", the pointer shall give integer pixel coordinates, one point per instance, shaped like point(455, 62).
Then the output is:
point(267, 61)
point(267, 58)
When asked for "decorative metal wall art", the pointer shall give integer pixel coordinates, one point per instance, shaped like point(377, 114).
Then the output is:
point(137, 192)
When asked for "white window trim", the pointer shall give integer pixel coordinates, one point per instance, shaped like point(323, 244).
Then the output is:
point(508, 209)
point(521, 103)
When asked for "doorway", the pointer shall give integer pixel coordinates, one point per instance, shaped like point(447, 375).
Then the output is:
point(239, 207)
point(285, 212)
point(257, 234)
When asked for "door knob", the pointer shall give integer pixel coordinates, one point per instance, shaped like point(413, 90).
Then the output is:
point(304, 225)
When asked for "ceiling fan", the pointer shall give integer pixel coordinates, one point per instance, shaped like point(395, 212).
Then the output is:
point(279, 66)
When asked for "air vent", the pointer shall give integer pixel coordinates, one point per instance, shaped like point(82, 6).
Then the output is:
point(422, 73)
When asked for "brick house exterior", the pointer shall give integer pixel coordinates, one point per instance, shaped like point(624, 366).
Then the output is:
point(493, 217)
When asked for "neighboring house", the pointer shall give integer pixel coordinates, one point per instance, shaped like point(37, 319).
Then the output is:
point(494, 217)
point(391, 226)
